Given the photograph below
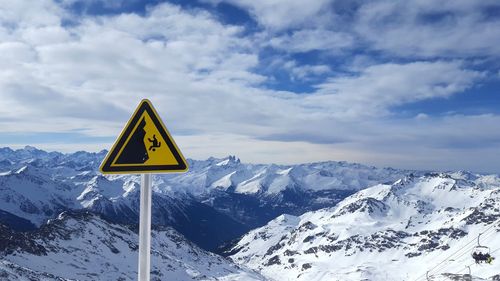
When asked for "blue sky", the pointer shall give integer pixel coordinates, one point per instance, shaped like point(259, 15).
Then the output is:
point(410, 84)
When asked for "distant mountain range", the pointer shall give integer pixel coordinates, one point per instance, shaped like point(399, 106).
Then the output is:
point(216, 201)
point(60, 219)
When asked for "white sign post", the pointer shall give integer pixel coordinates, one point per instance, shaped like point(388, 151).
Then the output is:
point(145, 228)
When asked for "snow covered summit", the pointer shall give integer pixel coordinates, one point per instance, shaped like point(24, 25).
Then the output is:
point(393, 231)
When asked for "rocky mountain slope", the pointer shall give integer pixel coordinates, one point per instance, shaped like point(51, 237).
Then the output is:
point(217, 200)
point(83, 246)
point(395, 231)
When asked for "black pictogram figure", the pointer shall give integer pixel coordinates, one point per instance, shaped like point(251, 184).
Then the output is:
point(154, 143)
point(135, 150)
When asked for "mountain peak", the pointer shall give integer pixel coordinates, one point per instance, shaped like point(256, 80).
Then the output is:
point(31, 148)
point(228, 161)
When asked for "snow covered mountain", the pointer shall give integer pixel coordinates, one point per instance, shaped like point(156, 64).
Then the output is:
point(217, 200)
point(393, 231)
point(326, 225)
point(36, 192)
point(83, 246)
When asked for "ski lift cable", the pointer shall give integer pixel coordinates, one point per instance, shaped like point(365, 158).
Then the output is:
point(464, 248)
point(448, 263)
point(466, 267)
point(459, 250)
point(442, 264)
point(496, 250)
point(486, 235)
point(466, 252)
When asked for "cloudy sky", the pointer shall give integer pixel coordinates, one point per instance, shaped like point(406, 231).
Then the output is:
point(410, 84)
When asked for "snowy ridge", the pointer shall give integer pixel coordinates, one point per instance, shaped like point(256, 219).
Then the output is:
point(36, 185)
point(206, 175)
point(83, 246)
point(386, 232)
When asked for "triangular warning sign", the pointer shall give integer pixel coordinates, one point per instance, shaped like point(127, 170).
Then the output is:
point(144, 146)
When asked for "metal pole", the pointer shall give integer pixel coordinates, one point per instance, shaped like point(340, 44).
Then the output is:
point(469, 277)
point(145, 228)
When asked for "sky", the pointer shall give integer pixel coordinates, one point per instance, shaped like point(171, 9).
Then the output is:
point(407, 84)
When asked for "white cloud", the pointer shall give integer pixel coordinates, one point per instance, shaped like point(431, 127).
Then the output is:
point(312, 40)
point(377, 88)
point(445, 143)
point(28, 14)
point(14, 52)
point(86, 4)
point(421, 28)
point(79, 76)
point(304, 72)
point(202, 77)
point(422, 116)
point(277, 15)
point(46, 35)
point(430, 28)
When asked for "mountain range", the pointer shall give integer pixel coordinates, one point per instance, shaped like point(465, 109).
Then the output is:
point(60, 219)
point(216, 201)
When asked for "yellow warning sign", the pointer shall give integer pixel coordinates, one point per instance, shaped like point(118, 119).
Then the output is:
point(144, 146)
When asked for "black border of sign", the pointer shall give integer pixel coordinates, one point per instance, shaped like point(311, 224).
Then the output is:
point(145, 105)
